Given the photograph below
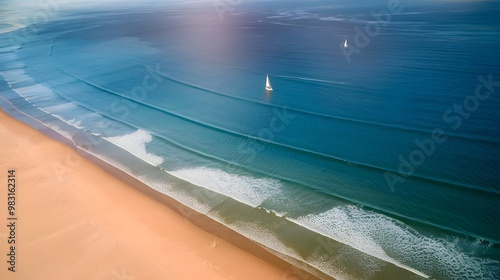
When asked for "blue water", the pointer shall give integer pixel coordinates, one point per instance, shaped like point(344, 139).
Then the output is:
point(387, 151)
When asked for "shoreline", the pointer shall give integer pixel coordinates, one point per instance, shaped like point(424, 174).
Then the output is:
point(263, 260)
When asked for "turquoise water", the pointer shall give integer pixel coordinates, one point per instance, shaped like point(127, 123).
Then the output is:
point(379, 161)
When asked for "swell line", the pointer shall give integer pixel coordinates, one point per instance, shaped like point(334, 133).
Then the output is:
point(389, 259)
point(321, 115)
point(103, 158)
point(469, 187)
point(305, 112)
point(212, 157)
point(306, 151)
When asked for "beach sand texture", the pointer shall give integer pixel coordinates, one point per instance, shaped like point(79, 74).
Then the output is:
point(75, 221)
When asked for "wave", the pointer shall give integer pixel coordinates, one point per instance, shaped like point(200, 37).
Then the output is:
point(54, 128)
point(297, 149)
point(385, 125)
point(332, 18)
point(308, 186)
point(321, 115)
point(397, 243)
point(13, 27)
point(221, 182)
point(203, 154)
point(135, 143)
point(367, 227)
point(187, 200)
point(345, 220)
point(423, 132)
point(258, 234)
point(245, 189)
point(269, 240)
point(343, 160)
point(250, 191)
point(197, 176)
point(61, 107)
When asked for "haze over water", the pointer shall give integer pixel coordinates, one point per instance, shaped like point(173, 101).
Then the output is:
point(375, 161)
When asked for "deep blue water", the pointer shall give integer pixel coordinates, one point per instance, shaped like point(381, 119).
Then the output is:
point(388, 149)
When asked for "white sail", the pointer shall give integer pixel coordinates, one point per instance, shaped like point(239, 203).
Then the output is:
point(268, 84)
point(345, 43)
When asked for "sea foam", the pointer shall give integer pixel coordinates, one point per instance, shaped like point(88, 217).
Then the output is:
point(249, 190)
point(135, 143)
point(393, 241)
point(185, 199)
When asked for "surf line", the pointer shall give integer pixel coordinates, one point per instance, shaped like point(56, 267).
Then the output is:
point(383, 258)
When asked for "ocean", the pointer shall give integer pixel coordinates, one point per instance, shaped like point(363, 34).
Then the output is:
point(379, 160)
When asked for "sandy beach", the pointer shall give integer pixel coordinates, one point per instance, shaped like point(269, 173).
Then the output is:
point(76, 221)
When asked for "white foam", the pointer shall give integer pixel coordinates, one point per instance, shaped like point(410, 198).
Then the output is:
point(276, 213)
point(249, 190)
point(376, 234)
point(109, 161)
point(13, 26)
point(16, 75)
point(135, 143)
point(72, 122)
point(180, 197)
point(33, 92)
point(267, 238)
point(58, 108)
point(75, 123)
point(57, 129)
point(340, 222)
point(340, 272)
point(36, 93)
point(331, 19)
point(280, 15)
point(354, 227)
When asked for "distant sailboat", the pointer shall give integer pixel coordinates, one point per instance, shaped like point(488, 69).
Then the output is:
point(345, 43)
point(268, 84)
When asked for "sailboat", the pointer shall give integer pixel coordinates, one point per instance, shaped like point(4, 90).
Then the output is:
point(345, 43)
point(268, 84)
